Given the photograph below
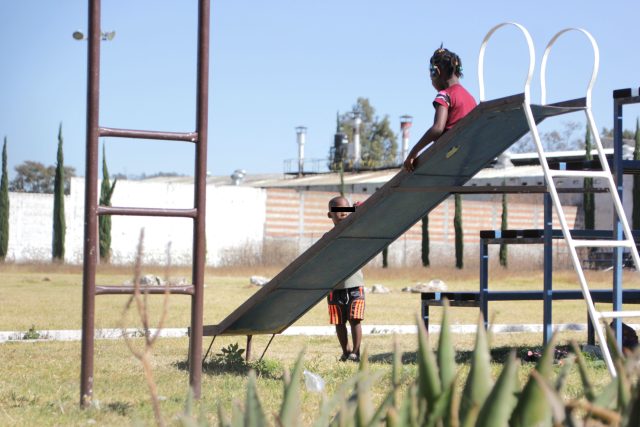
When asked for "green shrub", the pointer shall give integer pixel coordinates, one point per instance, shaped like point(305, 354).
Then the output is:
point(31, 334)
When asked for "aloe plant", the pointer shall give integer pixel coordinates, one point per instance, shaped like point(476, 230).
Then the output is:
point(433, 398)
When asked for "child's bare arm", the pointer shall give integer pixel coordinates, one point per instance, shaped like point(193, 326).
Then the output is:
point(432, 134)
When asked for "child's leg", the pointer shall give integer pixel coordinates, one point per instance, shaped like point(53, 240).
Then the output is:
point(341, 331)
point(356, 334)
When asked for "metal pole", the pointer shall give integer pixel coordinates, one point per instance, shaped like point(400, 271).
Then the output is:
point(617, 226)
point(199, 226)
point(425, 312)
point(547, 296)
point(484, 280)
point(90, 205)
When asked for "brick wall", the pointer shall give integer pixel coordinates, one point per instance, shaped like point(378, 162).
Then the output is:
point(301, 217)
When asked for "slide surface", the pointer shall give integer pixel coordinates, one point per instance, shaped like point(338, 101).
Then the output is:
point(487, 131)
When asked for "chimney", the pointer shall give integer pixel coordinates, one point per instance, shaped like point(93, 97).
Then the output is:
point(301, 134)
point(405, 125)
point(357, 120)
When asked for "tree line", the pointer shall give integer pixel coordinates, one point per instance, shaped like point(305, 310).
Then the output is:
point(34, 177)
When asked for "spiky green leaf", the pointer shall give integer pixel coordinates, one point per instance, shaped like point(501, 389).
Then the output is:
point(440, 410)
point(327, 406)
point(479, 382)
point(290, 409)
point(612, 344)
point(446, 354)
point(409, 412)
point(608, 397)
point(500, 403)
point(385, 407)
point(364, 410)
point(584, 376)
point(429, 387)
point(222, 418)
point(558, 411)
point(565, 371)
point(253, 413)
point(533, 408)
point(237, 415)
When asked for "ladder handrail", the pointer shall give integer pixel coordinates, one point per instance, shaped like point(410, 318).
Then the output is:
point(532, 58)
point(605, 174)
point(613, 190)
point(545, 57)
point(568, 238)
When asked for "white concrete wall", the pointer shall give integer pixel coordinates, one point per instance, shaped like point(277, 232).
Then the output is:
point(30, 226)
point(235, 217)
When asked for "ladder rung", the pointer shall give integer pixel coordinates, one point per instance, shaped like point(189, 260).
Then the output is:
point(180, 213)
point(618, 314)
point(152, 290)
point(580, 174)
point(604, 243)
point(149, 134)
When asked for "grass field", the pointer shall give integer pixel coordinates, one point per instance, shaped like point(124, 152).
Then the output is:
point(39, 381)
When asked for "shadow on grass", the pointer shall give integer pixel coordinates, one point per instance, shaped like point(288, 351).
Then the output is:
point(120, 408)
point(266, 368)
point(528, 354)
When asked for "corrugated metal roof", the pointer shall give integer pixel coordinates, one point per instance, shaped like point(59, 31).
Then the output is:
point(526, 167)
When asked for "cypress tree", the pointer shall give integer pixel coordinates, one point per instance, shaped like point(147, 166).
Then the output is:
point(457, 225)
point(385, 254)
point(425, 241)
point(4, 205)
point(104, 221)
point(503, 226)
point(635, 215)
point(588, 202)
point(59, 225)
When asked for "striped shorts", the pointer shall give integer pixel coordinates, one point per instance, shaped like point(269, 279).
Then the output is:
point(346, 304)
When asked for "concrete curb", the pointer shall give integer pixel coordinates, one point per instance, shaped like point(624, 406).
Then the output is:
point(75, 335)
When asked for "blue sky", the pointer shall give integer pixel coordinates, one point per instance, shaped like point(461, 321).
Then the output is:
point(279, 64)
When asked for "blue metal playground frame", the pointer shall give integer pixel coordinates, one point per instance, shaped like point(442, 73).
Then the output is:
point(616, 295)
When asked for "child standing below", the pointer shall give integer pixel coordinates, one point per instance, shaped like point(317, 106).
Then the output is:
point(452, 102)
point(346, 301)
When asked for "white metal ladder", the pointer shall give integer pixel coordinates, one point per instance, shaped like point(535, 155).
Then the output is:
point(605, 175)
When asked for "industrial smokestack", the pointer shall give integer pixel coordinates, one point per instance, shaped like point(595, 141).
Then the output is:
point(357, 120)
point(405, 125)
point(301, 134)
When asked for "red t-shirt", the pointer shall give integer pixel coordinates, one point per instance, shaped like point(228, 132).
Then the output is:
point(458, 101)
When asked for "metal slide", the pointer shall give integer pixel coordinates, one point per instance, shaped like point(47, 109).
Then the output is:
point(491, 128)
point(605, 176)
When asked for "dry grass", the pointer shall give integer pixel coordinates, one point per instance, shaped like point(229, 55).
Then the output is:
point(39, 292)
point(39, 382)
point(40, 386)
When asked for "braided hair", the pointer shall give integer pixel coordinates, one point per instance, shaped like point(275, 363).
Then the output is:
point(446, 63)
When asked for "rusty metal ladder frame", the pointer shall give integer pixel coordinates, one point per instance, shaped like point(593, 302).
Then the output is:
point(92, 210)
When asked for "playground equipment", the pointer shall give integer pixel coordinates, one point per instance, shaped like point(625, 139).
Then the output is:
point(92, 210)
point(491, 128)
point(616, 295)
point(481, 298)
